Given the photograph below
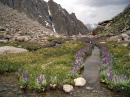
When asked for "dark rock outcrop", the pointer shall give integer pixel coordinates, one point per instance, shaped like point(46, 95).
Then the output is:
point(50, 15)
point(117, 25)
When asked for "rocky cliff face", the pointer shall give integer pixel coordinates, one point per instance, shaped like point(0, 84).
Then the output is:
point(117, 25)
point(49, 14)
point(17, 26)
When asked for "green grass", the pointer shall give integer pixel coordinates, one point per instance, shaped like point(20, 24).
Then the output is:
point(122, 60)
point(50, 61)
point(121, 65)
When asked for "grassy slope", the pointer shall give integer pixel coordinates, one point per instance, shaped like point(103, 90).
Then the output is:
point(122, 60)
point(121, 66)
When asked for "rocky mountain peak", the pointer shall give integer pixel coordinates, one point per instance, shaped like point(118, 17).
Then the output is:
point(73, 15)
point(49, 14)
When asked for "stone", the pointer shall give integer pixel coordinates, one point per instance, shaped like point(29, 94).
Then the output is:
point(102, 42)
point(125, 44)
point(125, 37)
point(89, 88)
point(119, 40)
point(11, 50)
point(3, 41)
point(114, 38)
point(79, 81)
point(19, 38)
point(22, 38)
point(68, 88)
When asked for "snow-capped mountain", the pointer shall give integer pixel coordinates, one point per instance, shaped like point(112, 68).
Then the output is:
point(91, 27)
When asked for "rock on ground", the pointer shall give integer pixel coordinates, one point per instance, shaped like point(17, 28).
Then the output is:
point(79, 81)
point(68, 88)
point(11, 50)
point(125, 37)
point(114, 38)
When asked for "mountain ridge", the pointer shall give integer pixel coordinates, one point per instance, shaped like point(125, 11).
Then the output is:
point(49, 14)
point(115, 26)
point(17, 26)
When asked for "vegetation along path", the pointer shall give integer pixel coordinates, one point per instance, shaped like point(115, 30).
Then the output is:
point(93, 88)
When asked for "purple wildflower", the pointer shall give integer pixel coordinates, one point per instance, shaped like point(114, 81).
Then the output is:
point(78, 66)
point(74, 71)
point(116, 79)
point(40, 79)
point(44, 76)
point(105, 68)
point(105, 62)
point(110, 74)
point(124, 77)
point(25, 76)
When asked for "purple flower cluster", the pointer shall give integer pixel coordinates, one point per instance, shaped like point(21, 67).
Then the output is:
point(79, 58)
point(41, 78)
point(110, 74)
point(50, 44)
point(23, 75)
point(26, 76)
point(23, 79)
point(83, 39)
point(106, 58)
point(54, 80)
point(107, 66)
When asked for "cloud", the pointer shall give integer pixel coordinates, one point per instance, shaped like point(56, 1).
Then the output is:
point(101, 3)
point(93, 11)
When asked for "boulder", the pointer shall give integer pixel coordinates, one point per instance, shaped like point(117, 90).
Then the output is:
point(79, 81)
point(125, 44)
point(68, 88)
point(114, 38)
point(11, 50)
point(3, 41)
point(22, 38)
point(125, 37)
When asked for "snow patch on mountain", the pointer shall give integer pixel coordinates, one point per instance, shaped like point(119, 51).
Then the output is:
point(91, 27)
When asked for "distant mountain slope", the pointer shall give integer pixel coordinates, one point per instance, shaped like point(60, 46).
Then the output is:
point(20, 25)
point(118, 24)
point(50, 15)
point(91, 27)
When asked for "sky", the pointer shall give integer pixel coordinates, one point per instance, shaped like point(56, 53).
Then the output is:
point(93, 11)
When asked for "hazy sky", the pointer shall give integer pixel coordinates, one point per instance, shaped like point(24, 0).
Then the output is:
point(93, 11)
